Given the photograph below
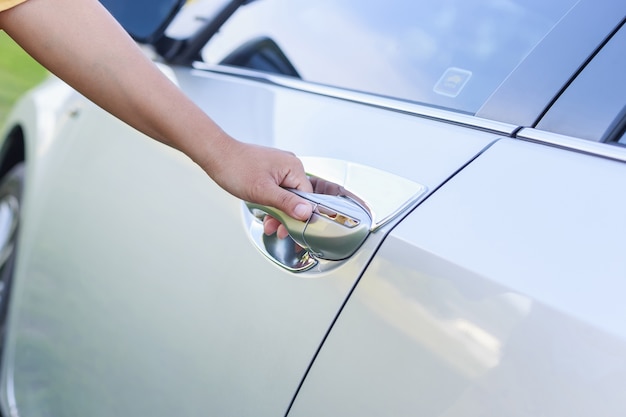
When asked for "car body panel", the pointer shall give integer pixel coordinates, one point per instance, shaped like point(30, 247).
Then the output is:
point(498, 295)
point(97, 283)
point(315, 125)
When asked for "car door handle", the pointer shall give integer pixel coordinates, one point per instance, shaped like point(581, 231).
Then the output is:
point(336, 229)
point(352, 202)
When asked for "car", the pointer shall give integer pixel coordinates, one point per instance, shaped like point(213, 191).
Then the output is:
point(472, 263)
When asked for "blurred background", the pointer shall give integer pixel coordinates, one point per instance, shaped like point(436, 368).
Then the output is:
point(18, 73)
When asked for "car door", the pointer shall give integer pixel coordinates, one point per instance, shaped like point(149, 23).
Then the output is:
point(141, 289)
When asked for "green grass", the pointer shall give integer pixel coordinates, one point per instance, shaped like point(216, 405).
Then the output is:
point(18, 73)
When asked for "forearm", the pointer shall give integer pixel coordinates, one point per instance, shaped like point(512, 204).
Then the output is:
point(82, 44)
point(91, 52)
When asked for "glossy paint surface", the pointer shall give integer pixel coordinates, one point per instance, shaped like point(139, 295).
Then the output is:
point(136, 269)
point(499, 295)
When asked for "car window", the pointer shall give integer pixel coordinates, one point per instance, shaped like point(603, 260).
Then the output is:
point(451, 53)
point(261, 54)
point(593, 106)
point(615, 134)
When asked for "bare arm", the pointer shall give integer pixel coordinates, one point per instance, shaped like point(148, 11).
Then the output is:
point(80, 42)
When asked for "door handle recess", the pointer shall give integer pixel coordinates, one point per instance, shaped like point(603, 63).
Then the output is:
point(352, 202)
point(337, 227)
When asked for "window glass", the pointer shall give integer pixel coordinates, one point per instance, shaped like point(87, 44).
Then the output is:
point(592, 106)
point(448, 53)
point(143, 19)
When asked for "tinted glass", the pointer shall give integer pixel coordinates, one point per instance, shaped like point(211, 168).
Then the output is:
point(448, 53)
point(143, 19)
point(592, 107)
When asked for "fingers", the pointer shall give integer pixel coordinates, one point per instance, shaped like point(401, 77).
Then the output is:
point(271, 226)
point(292, 204)
point(286, 171)
point(261, 175)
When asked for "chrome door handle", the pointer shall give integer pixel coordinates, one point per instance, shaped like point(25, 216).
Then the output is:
point(337, 227)
point(340, 224)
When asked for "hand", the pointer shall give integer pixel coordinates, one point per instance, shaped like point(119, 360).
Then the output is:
point(259, 174)
point(320, 186)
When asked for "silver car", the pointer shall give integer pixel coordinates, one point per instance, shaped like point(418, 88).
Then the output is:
point(472, 264)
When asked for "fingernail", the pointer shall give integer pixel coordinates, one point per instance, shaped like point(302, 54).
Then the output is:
point(303, 211)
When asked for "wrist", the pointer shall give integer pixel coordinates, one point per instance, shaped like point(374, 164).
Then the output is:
point(210, 151)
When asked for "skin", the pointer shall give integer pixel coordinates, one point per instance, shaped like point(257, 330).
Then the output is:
point(320, 186)
point(81, 43)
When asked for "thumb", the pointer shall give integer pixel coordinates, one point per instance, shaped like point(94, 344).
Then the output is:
point(292, 204)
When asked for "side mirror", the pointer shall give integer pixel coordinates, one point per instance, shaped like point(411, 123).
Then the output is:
point(144, 20)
